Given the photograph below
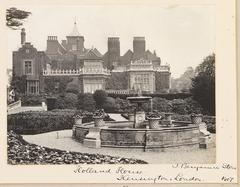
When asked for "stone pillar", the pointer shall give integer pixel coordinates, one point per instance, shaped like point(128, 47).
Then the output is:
point(140, 117)
point(92, 139)
point(131, 116)
point(168, 118)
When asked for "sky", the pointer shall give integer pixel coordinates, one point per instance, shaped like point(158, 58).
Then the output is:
point(181, 35)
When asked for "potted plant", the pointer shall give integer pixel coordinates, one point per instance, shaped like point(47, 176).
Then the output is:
point(154, 118)
point(98, 117)
point(78, 116)
point(196, 118)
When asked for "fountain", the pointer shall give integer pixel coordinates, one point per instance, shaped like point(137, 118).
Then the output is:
point(153, 133)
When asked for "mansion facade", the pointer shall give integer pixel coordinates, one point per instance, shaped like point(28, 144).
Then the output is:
point(137, 70)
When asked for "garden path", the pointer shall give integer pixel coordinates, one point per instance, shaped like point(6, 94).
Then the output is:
point(63, 140)
point(117, 117)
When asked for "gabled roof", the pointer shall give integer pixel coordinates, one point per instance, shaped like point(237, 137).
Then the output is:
point(127, 57)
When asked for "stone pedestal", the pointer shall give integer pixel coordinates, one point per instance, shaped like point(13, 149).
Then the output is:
point(92, 139)
point(74, 131)
point(140, 117)
point(205, 136)
point(131, 117)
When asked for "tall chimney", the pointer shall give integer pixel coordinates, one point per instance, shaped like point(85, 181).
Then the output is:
point(139, 47)
point(23, 36)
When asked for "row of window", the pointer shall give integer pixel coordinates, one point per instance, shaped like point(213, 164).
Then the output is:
point(143, 78)
point(32, 87)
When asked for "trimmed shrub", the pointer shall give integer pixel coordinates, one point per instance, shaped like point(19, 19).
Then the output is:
point(32, 100)
point(39, 122)
point(100, 97)
point(45, 121)
point(86, 102)
point(109, 105)
point(70, 101)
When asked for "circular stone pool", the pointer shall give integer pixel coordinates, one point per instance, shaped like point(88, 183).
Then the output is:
point(123, 135)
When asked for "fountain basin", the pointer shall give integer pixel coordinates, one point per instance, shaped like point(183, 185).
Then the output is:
point(123, 135)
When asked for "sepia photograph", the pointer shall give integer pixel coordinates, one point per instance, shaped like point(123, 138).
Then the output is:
point(111, 84)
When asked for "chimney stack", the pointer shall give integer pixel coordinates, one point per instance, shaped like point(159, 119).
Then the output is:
point(139, 47)
point(23, 36)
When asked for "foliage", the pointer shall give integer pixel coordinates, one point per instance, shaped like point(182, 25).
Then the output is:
point(117, 81)
point(161, 104)
point(184, 82)
point(21, 152)
point(154, 114)
point(100, 98)
point(86, 102)
point(56, 85)
point(122, 105)
point(16, 17)
point(32, 100)
point(39, 122)
point(109, 105)
point(73, 87)
point(99, 114)
point(19, 84)
point(35, 122)
point(70, 100)
point(203, 85)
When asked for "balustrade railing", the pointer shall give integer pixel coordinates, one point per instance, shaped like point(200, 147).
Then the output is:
point(80, 71)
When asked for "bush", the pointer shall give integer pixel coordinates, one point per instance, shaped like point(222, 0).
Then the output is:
point(86, 102)
point(39, 122)
point(73, 87)
point(100, 97)
point(32, 100)
point(70, 101)
point(161, 104)
point(109, 105)
point(44, 121)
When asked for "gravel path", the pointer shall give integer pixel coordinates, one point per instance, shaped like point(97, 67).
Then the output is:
point(63, 140)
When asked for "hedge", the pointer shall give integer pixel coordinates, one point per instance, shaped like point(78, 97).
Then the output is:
point(44, 121)
point(39, 122)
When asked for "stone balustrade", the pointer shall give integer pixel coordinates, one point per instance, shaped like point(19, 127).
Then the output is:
point(71, 72)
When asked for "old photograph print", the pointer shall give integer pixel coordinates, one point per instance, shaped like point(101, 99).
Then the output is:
point(111, 84)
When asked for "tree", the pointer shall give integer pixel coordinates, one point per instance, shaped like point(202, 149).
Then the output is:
point(184, 82)
point(16, 17)
point(19, 85)
point(100, 97)
point(203, 85)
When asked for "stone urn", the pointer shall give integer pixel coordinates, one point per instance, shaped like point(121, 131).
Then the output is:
point(98, 117)
point(98, 121)
point(196, 118)
point(154, 123)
